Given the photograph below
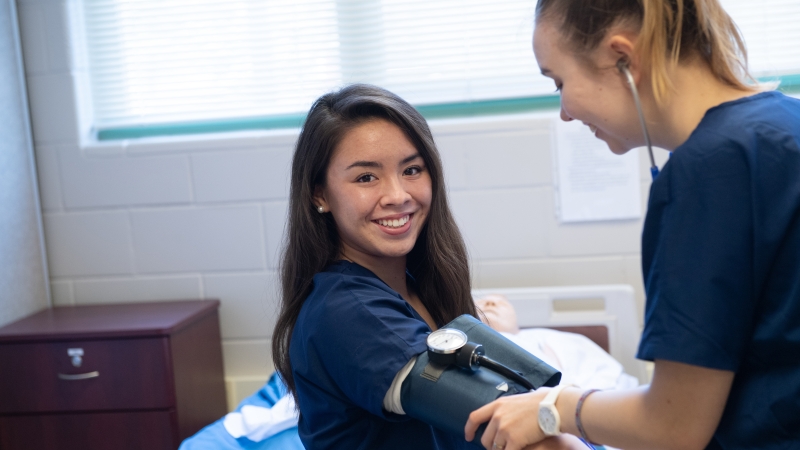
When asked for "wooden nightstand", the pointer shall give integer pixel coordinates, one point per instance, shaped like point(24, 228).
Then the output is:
point(124, 376)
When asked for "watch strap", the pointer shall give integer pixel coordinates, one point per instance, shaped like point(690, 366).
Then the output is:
point(552, 395)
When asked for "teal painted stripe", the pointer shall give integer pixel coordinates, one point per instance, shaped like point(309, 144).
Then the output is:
point(442, 110)
point(200, 127)
point(488, 107)
point(789, 83)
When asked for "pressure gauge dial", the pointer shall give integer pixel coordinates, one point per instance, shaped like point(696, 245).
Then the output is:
point(444, 343)
point(446, 340)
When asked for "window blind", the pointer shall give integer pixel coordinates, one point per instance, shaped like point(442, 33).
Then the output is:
point(155, 62)
point(771, 32)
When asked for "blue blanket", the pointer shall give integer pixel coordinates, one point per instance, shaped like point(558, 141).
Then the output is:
point(216, 437)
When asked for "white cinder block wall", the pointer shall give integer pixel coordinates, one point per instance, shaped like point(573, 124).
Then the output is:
point(203, 216)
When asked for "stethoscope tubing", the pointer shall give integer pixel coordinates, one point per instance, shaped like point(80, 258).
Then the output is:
point(623, 67)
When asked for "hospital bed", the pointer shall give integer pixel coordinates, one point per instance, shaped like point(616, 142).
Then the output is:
point(606, 314)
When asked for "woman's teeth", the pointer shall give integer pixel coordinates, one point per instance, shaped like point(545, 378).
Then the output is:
point(396, 223)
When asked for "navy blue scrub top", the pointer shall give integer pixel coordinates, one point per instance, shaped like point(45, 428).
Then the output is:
point(721, 262)
point(353, 334)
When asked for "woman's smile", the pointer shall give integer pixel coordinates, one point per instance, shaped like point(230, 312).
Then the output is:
point(394, 225)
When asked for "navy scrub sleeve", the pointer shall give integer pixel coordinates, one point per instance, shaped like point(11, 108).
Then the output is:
point(352, 336)
point(721, 263)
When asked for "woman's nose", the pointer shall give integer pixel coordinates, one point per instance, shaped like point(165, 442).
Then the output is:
point(564, 116)
point(395, 192)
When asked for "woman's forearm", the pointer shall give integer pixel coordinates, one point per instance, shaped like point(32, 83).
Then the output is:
point(620, 419)
point(680, 409)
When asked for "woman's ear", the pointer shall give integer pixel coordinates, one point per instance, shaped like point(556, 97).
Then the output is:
point(319, 199)
point(618, 51)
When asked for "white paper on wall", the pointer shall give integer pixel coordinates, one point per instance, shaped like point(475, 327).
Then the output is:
point(592, 183)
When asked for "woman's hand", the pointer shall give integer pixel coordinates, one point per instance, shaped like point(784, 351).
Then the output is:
point(561, 442)
point(513, 421)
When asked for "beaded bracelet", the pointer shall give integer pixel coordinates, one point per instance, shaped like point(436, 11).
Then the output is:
point(578, 407)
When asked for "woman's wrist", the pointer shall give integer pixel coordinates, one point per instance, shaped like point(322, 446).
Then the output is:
point(566, 404)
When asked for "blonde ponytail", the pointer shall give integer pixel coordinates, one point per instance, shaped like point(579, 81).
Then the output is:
point(674, 30)
point(670, 32)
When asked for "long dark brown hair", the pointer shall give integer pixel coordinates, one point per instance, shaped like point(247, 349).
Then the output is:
point(670, 31)
point(438, 261)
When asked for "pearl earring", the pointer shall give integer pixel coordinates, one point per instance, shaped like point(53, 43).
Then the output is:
point(321, 209)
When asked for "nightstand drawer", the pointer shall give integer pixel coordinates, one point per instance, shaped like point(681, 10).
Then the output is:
point(112, 374)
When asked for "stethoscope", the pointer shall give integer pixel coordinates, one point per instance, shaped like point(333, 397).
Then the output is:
point(622, 65)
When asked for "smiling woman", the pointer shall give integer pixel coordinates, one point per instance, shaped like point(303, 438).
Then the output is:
point(373, 262)
point(379, 199)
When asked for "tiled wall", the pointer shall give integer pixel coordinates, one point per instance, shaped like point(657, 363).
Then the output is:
point(203, 216)
point(23, 275)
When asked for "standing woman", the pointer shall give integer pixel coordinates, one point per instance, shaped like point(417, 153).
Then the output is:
point(373, 262)
point(721, 240)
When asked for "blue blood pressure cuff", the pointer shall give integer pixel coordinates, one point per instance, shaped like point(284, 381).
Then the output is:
point(444, 396)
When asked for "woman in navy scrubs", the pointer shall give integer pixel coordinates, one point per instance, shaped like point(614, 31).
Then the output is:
point(372, 263)
point(721, 241)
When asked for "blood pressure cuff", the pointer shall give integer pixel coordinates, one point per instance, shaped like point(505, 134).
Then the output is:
point(445, 396)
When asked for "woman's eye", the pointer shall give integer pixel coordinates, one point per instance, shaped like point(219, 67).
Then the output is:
point(366, 178)
point(413, 170)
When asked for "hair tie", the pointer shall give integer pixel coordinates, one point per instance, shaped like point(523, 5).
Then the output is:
point(578, 407)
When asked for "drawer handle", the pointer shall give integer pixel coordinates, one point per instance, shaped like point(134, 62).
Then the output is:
point(79, 376)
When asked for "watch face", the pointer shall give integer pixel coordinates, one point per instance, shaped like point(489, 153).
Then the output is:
point(446, 340)
point(547, 421)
